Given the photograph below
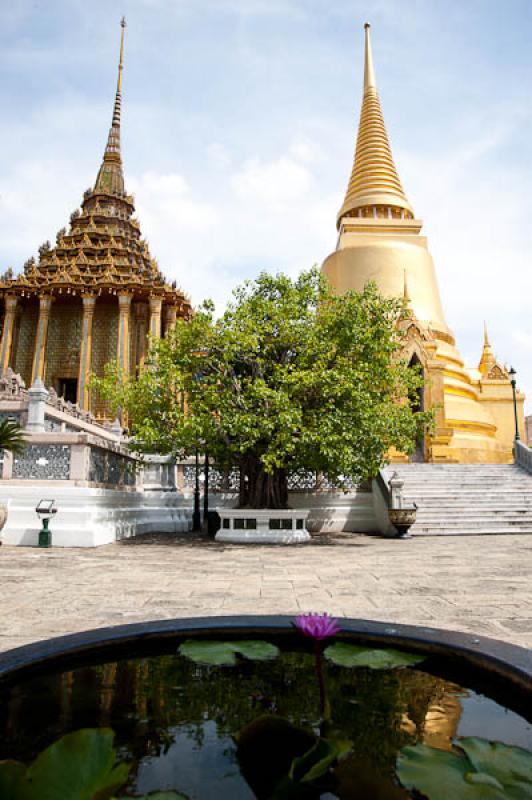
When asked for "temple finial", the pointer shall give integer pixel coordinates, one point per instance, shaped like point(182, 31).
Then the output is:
point(487, 359)
point(374, 188)
point(110, 179)
point(369, 70)
point(121, 63)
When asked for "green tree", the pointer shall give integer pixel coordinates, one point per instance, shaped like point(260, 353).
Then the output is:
point(11, 436)
point(289, 377)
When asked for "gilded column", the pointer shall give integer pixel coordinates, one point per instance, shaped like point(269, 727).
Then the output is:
point(170, 317)
point(11, 301)
point(124, 309)
point(155, 317)
point(89, 302)
point(141, 333)
point(39, 355)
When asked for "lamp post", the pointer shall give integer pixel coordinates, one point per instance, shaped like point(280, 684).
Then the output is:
point(196, 516)
point(513, 373)
point(206, 489)
point(45, 511)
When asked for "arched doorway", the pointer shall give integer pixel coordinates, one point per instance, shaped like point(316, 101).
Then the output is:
point(417, 403)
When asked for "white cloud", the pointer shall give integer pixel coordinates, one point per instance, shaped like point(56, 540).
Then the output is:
point(304, 150)
point(35, 202)
point(263, 216)
point(239, 134)
point(219, 155)
point(275, 184)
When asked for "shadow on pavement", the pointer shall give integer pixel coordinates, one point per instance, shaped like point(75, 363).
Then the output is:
point(204, 541)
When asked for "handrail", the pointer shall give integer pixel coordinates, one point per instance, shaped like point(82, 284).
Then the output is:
point(523, 455)
point(383, 481)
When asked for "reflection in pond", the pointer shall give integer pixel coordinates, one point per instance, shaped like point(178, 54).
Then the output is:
point(175, 722)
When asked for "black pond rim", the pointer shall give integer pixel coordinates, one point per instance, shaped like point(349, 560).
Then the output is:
point(500, 670)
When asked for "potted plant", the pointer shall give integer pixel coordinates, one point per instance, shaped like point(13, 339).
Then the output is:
point(11, 439)
point(402, 519)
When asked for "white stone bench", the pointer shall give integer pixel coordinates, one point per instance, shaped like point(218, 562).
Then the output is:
point(263, 526)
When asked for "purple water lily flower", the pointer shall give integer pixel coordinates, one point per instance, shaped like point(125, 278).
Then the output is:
point(317, 626)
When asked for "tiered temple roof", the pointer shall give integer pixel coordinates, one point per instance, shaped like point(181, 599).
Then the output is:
point(103, 251)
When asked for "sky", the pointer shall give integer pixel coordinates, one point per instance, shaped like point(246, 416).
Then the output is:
point(238, 131)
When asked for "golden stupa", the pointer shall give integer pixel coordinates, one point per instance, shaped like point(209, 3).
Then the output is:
point(92, 298)
point(380, 240)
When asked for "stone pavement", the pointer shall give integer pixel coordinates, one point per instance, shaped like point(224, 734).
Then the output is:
point(477, 584)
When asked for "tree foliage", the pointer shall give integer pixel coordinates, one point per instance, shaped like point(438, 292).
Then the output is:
point(290, 377)
point(12, 436)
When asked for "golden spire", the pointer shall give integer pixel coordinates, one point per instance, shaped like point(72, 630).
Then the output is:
point(110, 179)
point(374, 187)
point(487, 359)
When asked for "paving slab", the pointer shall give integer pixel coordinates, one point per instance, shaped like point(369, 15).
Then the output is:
point(475, 584)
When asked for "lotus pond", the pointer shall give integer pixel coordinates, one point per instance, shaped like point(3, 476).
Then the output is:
point(273, 717)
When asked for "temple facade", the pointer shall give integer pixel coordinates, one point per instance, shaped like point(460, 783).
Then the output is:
point(380, 240)
point(91, 298)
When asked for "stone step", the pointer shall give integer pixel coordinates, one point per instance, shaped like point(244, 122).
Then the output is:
point(471, 523)
point(468, 478)
point(456, 467)
point(471, 529)
point(482, 522)
point(466, 499)
point(430, 513)
point(438, 490)
point(433, 489)
point(457, 471)
point(510, 486)
point(465, 532)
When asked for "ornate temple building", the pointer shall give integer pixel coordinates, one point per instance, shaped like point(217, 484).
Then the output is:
point(93, 297)
point(380, 240)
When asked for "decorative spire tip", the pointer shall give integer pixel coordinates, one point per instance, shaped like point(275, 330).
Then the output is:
point(367, 25)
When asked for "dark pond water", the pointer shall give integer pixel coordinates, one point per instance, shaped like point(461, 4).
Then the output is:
point(175, 722)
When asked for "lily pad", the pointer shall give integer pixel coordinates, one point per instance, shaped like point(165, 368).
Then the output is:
point(223, 654)
point(79, 766)
point(352, 655)
point(510, 766)
point(479, 770)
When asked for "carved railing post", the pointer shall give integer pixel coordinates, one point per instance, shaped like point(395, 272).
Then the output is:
point(37, 397)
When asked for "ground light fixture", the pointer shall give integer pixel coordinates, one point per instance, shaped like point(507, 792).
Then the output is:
point(512, 374)
point(45, 511)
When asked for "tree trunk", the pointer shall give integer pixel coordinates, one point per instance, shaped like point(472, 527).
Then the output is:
point(261, 489)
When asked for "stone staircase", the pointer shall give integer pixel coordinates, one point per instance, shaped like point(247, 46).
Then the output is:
point(468, 499)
